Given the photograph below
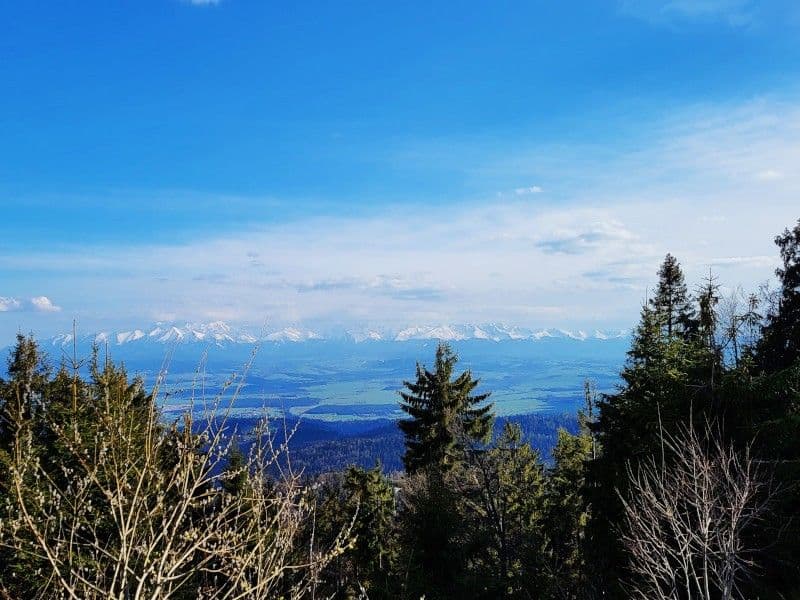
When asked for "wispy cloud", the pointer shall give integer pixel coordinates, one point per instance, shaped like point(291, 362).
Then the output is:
point(393, 286)
point(9, 304)
point(481, 263)
point(765, 262)
point(686, 185)
point(327, 285)
point(769, 175)
point(735, 13)
point(524, 191)
point(587, 238)
point(614, 278)
point(202, 2)
point(41, 304)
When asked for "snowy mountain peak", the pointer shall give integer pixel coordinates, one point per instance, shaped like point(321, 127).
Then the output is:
point(217, 332)
point(369, 335)
point(129, 336)
point(221, 334)
point(442, 332)
point(498, 332)
point(292, 334)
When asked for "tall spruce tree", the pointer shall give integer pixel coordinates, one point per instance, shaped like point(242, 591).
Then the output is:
point(448, 421)
point(445, 416)
point(779, 346)
point(672, 301)
point(707, 320)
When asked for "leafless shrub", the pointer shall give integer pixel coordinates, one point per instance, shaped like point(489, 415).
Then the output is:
point(686, 519)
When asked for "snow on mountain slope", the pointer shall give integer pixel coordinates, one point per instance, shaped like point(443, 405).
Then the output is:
point(369, 335)
point(499, 332)
point(129, 336)
point(221, 334)
point(442, 332)
point(292, 334)
point(217, 332)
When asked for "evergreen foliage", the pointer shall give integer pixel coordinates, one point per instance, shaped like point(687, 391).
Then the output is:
point(445, 418)
point(671, 301)
point(234, 479)
point(779, 346)
point(568, 515)
point(676, 379)
point(370, 497)
point(505, 494)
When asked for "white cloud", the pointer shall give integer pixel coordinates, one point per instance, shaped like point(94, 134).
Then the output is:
point(685, 185)
point(43, 304)
point(9, 304)
point(203, 2)
point(534, 189)
point(35, 304)
point(483, 263)
point(590, 236)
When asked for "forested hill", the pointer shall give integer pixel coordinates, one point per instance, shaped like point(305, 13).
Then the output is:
point(321, 446)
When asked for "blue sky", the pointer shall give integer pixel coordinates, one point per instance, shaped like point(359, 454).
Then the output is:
point(387, 163)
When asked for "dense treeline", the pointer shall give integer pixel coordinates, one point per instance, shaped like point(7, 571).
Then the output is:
point(682, 484)
point(385, 443)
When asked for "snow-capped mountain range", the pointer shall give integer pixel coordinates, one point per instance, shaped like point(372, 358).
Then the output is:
point(221, 334)
point(217, 332)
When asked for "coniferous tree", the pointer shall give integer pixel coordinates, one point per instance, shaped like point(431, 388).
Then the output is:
point(505, 500)
point(433, 532)
point(779, 346)
point(705, 345)
point(707, 319)
point(21, 402)
point(370, 497)
point(768, 389)
point(235, 476)
point(362, 502)
point(665, 383)
point(448, 425)
point(568, 515)
point(445, 416)
point(24, 393)
point(102, 500)
point(672, 301)
point(676, 379)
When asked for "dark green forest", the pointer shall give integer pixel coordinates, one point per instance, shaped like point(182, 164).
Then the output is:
point(385, 443)
point(683, 484)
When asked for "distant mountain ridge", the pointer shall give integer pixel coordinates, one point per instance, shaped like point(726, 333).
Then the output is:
point(220, 333)
point(217, 332)
point(500, 332)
